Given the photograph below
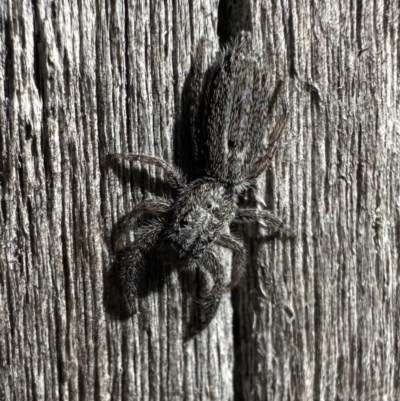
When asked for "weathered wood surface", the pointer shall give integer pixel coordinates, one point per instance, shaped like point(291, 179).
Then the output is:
point(316, 318)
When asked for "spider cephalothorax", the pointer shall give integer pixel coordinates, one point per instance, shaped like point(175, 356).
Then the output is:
point(232, 105)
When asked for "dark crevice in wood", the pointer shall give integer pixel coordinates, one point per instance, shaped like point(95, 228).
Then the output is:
point(359, 23)
point(234, 16)
point(8, 59)
point(288, 23)
point(37, 51)
point(238, 353)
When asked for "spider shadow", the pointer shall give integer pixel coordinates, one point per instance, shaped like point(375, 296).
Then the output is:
point(134, 176)
point(153, 278)
point(156, 272)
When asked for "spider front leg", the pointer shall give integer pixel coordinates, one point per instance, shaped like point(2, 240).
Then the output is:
point(172, 175)
point(208, 303)
point(154, 207)
point(125, 275)
point(249, 215)
point(263, 162)
point(239, 257)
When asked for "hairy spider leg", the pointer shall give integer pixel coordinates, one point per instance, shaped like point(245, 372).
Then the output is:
point(239, 257)
point(156, 207)
point(208, 303)
point(126, 271)
point(172, 174)
point(263, 162)
point(249, 215)
point(194, 93)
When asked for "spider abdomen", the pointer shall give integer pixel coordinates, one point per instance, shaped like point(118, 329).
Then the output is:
point(232, 113)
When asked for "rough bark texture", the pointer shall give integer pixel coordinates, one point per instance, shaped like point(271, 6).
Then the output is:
point(313, 319)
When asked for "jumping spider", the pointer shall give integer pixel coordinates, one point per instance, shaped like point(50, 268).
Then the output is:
point(231, 109)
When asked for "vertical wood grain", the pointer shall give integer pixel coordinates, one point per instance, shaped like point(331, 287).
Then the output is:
point(316, 318)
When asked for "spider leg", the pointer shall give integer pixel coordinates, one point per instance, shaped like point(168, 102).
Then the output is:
point(194, 94)
point(239, 255)
point(208, 304)
point(126, 272)
point(263, 162)
point(172, 175)
point(248, 215)
point(157, 206)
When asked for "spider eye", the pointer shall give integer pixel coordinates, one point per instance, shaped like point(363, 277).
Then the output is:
point(186, 220)
point(212, 207)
